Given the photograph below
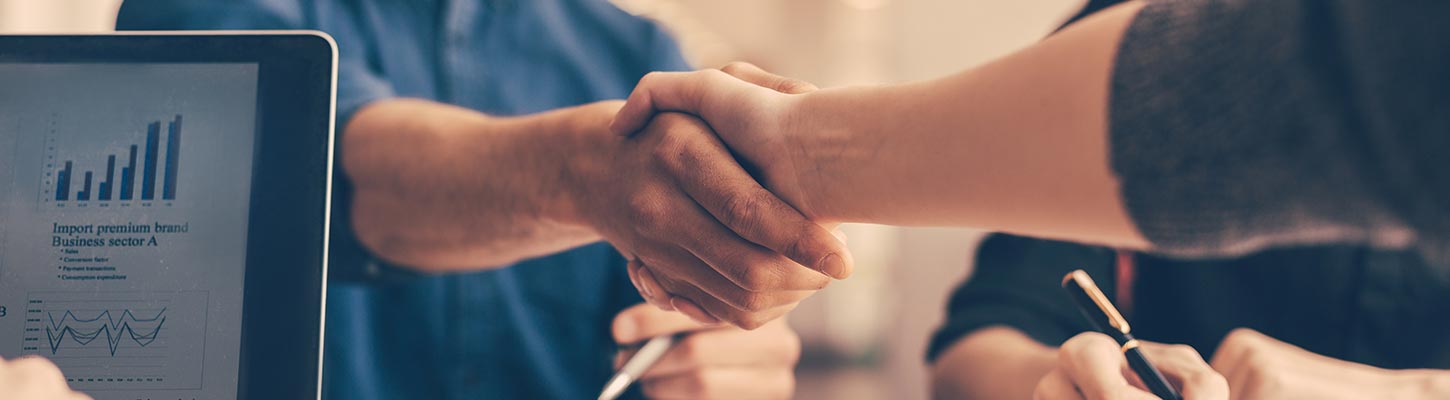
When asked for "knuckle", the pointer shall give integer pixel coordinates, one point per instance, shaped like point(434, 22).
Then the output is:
point(760, 278)
point(734, 67)
point(752, 321)
point(700, 384)
point(800, 242)
point(791, 85)
point(1183, 350)
point(741, 210)
point(650, 78)
point(1207, 377)
point(713, 74)
point(1078, 343)
point(1255, 359)
point(670, 148)
point(690, 348)
point(1238, 336)
point(646, 212)
point(754, 302)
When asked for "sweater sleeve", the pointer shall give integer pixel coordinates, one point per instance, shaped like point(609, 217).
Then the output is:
point(1016, 284)
point(1242, 124)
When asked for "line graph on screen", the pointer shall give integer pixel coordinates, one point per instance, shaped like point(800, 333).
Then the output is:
point(119, 340)
point(84, 331)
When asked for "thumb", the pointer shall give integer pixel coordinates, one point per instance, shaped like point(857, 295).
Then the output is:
point(644, 321)
point(1094, 365)
point(750, 73)
point(657, 92)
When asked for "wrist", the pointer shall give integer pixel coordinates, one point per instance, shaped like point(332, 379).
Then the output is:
point(822, 148)
point(583, 146)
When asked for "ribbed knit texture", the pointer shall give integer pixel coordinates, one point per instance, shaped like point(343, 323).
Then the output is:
point(1242, 124)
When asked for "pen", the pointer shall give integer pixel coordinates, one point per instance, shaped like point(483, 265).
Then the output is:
point(636, 366)
point(1103, 315)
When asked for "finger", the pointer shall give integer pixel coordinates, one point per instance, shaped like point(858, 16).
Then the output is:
point(1233, 349)
point(1093, 361)
point(663, 298)
point(703, 166)
point(750, 73)
point(1186, 370)
point(735, 383)
point(771, 346)
point(751, 267)
point(706, 288)
point(686, 92)
point(648, 288)
point(644, 321)
point(659, 91)
point(1056, 386)
point(709, 309)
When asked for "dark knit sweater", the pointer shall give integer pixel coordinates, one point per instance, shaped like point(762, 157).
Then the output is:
point(1242, 124)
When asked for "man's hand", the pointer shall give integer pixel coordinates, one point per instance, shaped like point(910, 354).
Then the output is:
point(1091, 366)
point(749, 108)
point(711, 361)
point(1261, 367)
point(34, 378)
point(748, 121)
point(717, 244)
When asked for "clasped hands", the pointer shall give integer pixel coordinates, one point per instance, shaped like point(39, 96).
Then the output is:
point(713, 215)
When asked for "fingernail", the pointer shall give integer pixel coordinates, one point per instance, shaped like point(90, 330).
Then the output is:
point(834, 266)
point(644, 288)
point(633, 280)
point(614, 126)
point(693, 311)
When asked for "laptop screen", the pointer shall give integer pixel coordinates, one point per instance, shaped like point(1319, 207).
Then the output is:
point(124, 191)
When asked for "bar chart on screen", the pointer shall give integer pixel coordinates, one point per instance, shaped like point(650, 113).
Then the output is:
point(133, 166)
point(119, 340)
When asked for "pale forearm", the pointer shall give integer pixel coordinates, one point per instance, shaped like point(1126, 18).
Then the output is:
point(992, 363)
point(1018, 145)
point(1421, 384)
point(442, 188)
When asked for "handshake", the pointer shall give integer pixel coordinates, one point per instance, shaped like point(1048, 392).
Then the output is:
point(716, 214)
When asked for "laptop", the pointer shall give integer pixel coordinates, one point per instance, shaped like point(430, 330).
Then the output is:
point(164, 210)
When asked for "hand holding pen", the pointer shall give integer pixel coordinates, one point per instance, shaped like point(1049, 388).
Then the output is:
point(668, 355)
point(1112, 364)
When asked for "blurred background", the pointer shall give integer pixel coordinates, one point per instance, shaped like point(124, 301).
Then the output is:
point(865, 336)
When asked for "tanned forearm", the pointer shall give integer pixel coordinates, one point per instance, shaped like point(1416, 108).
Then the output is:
point(1018, 145)
point(992, 363)
point(441, 188)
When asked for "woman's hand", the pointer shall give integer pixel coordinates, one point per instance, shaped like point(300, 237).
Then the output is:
point(34, 378)
point(1261, 367)
point(1091, 367)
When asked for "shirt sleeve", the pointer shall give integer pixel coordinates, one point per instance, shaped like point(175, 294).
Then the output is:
point(1243, 124)
point(358, 83)
point(1017, 283)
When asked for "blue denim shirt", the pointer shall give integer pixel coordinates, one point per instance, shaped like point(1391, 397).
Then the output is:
point(538, 329)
